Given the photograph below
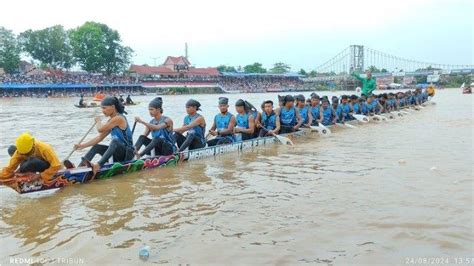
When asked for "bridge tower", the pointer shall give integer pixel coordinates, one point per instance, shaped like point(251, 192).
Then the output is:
point(186, 50)
point(357, 58)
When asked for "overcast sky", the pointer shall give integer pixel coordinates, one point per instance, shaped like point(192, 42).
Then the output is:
point(303, 34)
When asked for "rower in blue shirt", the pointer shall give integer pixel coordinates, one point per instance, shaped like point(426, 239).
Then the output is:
point(223, 126)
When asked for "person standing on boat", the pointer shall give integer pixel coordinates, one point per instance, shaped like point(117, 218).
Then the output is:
point(129, 100)
point(269, 123)
point(304, 110)
point(368, 84)
point(327, 114)
point(28, 157)
point(81, 101)
point(195, 126)
point(161, 129)
point(245, 122)
point(315, 109)
point(121, 147)
point(290, 119)
point(223, 126)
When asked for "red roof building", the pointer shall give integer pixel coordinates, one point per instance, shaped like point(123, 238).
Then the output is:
point(174, 67)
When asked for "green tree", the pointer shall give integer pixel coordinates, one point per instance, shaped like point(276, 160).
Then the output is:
point(254, 68)
point(313, 73)
point(303, 72)
point(373, 69)
point(224, 68)
point(420, 79)
point(456, 81)
point(9, 51)
point(383, 70)
point(280, 68)
point(98, 48)
point(50, 46)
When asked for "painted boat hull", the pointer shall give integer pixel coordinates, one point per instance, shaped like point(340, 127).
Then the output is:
point(83, 175)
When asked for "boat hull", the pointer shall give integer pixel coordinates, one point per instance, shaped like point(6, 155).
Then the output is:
point(83, 175)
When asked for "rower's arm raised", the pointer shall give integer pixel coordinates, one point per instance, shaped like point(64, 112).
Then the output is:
point(357, 76)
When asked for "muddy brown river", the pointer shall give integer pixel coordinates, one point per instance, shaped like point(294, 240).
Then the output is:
point(386, 193)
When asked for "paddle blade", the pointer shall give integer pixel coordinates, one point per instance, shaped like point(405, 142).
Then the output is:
point(321, 130)
point(350, 126)
point(284, 140)
point(361, 118)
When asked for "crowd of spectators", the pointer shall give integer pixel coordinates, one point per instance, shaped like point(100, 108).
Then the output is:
point(57, 93)
point(66, 78)
point(132, 85)
point(261, 84)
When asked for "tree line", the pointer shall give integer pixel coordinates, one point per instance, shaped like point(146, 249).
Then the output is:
point(93, 46)
point(278, 68)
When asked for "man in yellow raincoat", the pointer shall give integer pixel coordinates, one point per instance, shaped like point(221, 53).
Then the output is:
point(28, 157)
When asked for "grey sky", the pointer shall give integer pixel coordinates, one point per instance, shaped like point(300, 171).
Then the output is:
point(303, 34)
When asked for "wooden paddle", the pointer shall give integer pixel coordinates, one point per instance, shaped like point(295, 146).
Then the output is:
point(133, 128)
point(321, 129)
point(208, 136)
point(361, 118)
point(346, 125)
point(382, 118)
point(283, 140)
point(87, 133)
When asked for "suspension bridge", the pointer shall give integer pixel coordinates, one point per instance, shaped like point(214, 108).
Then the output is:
point(359, 58)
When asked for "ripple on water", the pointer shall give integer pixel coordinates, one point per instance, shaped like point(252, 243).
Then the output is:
point(337, 200)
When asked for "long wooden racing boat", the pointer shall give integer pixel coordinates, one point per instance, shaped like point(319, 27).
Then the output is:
point(84, 174)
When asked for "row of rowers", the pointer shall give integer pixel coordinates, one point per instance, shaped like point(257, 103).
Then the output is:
point(292, 114)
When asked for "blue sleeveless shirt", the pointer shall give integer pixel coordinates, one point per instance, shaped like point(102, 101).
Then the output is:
point(199, 130)
point(327, 116)
point(165, 133)
point(288, 117)
point(315, 112)
point(124, 136)
point(269, 121)
point(243, 120)
point(304, 114)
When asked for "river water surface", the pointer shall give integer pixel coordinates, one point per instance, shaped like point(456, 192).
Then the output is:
point(348, 198)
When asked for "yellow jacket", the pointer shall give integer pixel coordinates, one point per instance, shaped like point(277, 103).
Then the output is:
point(41, 150)
point(431, 91)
